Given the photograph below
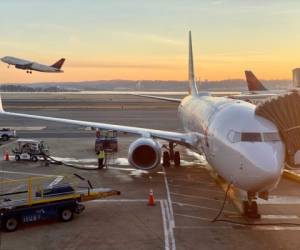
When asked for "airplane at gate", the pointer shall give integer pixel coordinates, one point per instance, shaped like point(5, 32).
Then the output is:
point(243, 148)
point(29, 65)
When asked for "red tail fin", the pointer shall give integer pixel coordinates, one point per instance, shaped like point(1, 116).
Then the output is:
point(59, 63)
point(253, 83)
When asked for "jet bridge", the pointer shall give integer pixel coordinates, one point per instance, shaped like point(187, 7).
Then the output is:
point(284, 112)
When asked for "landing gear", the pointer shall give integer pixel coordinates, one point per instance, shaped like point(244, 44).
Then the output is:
point(171, 155)
point(28, 71)
point(166, 159)
point(250, 207)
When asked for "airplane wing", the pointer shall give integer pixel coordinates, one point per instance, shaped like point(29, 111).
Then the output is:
point(223, 94)
point(177, 100)
point(252, 96)
point(186, 139)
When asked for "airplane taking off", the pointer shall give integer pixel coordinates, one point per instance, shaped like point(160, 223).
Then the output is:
point(243, 148)
point(29, 65)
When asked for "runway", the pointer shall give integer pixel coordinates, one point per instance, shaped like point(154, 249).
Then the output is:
point(187, 198)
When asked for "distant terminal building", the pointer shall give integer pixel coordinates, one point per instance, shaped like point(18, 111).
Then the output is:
point(296, 78)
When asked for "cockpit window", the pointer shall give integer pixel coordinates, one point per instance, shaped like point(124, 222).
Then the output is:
point(250, 136)
point(234, 136)
point(271, 136)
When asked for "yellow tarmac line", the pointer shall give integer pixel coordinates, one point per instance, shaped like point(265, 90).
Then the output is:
point(231, 193)
point(289, 174)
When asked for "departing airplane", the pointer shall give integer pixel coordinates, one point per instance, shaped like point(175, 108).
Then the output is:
point(29, 65)
point(243, 148)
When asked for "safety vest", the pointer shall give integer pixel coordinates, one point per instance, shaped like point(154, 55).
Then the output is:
point(101, 154)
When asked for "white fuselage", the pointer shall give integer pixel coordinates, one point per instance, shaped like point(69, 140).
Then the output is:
point(242, 147)
point(28, 65)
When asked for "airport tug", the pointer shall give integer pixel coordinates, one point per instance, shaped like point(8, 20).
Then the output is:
point(58, 200)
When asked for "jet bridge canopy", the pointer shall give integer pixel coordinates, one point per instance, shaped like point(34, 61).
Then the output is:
point(284, 112)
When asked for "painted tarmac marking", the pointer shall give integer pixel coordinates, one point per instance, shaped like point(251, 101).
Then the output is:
point(29, 128)
point(270, 216)
point(274, 228)
point(202, 207)
point(193, 181)
point(28, 173)
point(204, 227)
point(170, 213)
point(199, 189)
point(278, 216)
point(167, 226)
point(193, 217)
point(195, 197)
point(167, 243)
point(280, 200)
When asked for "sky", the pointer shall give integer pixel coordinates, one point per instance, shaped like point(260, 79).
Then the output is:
point(141, 39)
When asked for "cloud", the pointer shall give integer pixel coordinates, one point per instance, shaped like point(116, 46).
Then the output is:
point(152, 38)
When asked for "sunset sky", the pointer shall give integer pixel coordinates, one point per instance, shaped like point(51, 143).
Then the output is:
point(148, 39)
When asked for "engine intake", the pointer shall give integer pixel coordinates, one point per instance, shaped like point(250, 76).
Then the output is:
point(144, 153)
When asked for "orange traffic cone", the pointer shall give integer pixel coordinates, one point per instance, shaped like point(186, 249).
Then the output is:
point(151, 198)
point(6, 155)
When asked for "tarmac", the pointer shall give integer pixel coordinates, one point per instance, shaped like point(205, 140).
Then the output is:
point(187, 198)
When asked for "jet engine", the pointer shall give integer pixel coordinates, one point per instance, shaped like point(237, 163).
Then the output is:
point(144, 153)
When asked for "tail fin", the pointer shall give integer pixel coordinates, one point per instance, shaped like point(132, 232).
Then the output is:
point(192, 83)
point(253, 83)
point(59, 63)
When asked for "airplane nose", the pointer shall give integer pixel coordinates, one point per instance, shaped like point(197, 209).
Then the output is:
point(263, 169)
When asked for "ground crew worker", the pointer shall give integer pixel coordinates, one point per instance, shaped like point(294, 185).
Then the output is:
point(101, 156)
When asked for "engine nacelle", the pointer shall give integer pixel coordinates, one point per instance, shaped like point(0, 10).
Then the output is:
point(144, 153)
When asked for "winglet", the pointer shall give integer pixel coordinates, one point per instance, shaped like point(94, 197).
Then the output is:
point(192, 83)
point(1, 106)
point(253, 83)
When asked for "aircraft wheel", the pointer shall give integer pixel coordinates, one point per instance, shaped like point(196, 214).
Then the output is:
point(177, 159)
point(166, 159)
